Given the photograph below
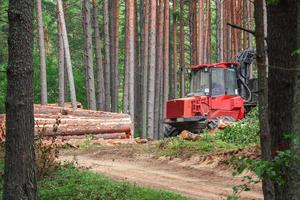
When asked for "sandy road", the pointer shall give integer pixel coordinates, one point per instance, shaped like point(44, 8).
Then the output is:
point(189, 178)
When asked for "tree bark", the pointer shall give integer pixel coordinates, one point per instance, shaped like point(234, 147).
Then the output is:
point(61, 65)
point(219, 29)
point(173, 74)
point(181, 57)
point(43, 73)
point(88, 55)
point(100, 88)
point(152, 63)
point(126, 68)
point(284, 87)
point(265, 137)
point(20, 180)
point(200, 30)
point(67, 54)
point(107, 55)
point(145, 44)
point(208, 31)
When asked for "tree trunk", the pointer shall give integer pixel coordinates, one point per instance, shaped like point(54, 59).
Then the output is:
point(145, 78)
point(284, 88)
point(100, 91)
point(200, 30)
point(107, 55)
point(43, 73)
point(181, 57)
point(61, 65)
point(208, 32)
point(265, 137)
point(114, 53)
point(131, 55)
point(219, 27)
point(166, 60)
point(20, 180)
point(67, 54)
point(173, 77)
point(126, 68)
point(88, 55)
point(152, 64)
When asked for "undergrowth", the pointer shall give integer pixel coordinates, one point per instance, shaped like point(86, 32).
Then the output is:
point(242, 133)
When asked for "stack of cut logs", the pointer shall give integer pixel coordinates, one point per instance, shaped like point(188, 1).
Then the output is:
point(52, 120)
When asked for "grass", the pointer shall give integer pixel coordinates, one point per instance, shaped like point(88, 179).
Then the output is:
point(182, 148)
point(69, 183)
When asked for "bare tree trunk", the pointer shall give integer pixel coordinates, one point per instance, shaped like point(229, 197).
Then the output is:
point(145, 44)
point(20, 180)
point(43, 73)
point(219, 27)
point(159, 65)
point(173, 71)
point(127, 67)
point(114, 48)
point(208, 31)
point(100, 90)
point(166, 66)
point(131, 55)
point(61, 64)
point(152, 63)
point(107, 55)
point(181, 57)
point(200, 30)
point(67, 54)
point(88, 55)
point(265, 137)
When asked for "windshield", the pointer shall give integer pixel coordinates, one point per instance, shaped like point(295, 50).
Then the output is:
point(218, 87)
point(231, 82)
point(200, 82)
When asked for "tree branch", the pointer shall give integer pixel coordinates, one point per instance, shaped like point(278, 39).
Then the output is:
point(241, 28)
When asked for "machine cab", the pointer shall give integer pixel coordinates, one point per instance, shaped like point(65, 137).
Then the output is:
point(214, 80)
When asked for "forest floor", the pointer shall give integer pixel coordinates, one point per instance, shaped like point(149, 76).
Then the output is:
point(196, 176)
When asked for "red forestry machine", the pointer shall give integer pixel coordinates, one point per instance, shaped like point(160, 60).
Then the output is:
point(219, 92)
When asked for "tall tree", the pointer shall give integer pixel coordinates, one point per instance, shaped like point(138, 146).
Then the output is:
point(182, 56)
point(219, 27)
point(173, 70)
point(208, 32)
point(20, 171)
point(61, 64)
point(43, 77)
point(114, 52)
point(166, 59)
point(88, 55)
point(265, 136)
point(200, 31)
point(284, 88)
point(107, 55)
point(152, 63)
point(127, 67)
point(68, 63)
point(131, 55)
point(100, 91)
point(145, 47)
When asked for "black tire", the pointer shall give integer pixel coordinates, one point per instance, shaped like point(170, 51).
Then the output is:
point(170, 131)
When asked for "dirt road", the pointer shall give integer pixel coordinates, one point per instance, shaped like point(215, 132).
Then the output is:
point(192, 178)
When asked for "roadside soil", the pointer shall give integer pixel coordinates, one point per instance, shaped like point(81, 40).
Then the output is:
point(194, 177)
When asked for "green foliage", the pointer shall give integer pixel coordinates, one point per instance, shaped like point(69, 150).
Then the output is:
point(244, 132)
point(205, 145)
point(70, 183)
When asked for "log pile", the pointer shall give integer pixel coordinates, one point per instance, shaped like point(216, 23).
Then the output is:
point(52, 120)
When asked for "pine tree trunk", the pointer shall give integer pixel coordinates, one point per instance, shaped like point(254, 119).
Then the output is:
point(152, 63)
point(61, 64)
point(67, 54)
point(88, 55)
point(114, 48)
point(43, 73)
point(208, 32)
point(219, 27)
point(166, 65)
point(145, 68)
point(107, 55)
point(284, 90)
point(181, 57)
point(265, 137)
point(200, 30)
point(99, 77)
point(173, 74)
point(20, 180)
point(159, 65)
point(127, 67)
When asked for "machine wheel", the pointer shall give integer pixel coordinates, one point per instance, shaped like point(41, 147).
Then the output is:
point(170, 131)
